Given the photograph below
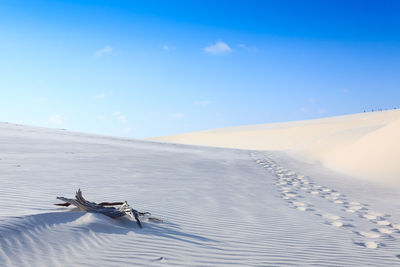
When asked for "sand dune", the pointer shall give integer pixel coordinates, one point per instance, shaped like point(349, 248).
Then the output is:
point(220, 207)
point(363, 145)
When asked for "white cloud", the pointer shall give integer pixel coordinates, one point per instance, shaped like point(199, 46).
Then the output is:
point(203, 103)
point(177, 115)
point(127, 130)
point(101, 118)
point(56, 119)
point(311, 100)
point(168, 48)
point(41, 100)
point(248, 48)
point(218, 49)
point(304, 110)
point(105, 50)
point(100, 96)
point(120, 117)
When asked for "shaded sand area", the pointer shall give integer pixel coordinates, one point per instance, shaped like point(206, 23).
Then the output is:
point(364, 145)
point(220, 206)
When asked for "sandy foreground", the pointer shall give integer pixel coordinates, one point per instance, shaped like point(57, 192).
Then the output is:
point(263, 206)
point(364, 145)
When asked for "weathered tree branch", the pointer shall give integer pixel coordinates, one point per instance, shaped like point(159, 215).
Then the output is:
point(112, 212)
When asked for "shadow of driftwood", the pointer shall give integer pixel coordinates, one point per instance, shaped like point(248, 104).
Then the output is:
point(95, 222)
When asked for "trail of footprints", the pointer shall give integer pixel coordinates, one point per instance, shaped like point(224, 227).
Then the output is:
point(370, 229)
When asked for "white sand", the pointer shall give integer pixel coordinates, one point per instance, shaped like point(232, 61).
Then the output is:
point(364, 145)
point(221, 207)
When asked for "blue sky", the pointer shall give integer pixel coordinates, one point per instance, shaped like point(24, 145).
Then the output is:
point(152, 68)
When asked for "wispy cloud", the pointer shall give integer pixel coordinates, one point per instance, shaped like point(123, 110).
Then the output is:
point(100, 96)
point(304, 110)
point(177, 115)
point(107, 49)
point(248, 48)
point(203, 103)
point(218, 48)
point(41, 100)
point(168, 47)
point(56, 119)
point(101, 117)
point(120, 117)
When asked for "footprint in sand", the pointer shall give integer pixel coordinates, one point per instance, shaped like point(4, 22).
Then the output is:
point(301, 206)
point(355, 208)
point(352, 207)
point(333, 219)
point(385, 231)
point(371, 244)
point(330, 216)
point(289, 196)
point(369, 234)
point(367, 244)
point(337, 223)
point(330, 198)
point(298, 204)
point(383, 222)
point(338, 202)
point(396, 226)
point(286, 189)
point(369, 216)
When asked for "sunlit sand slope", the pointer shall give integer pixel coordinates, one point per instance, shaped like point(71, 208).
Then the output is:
point(365, 145)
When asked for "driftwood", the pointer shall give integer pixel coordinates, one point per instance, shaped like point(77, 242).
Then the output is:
point(101, 204)
point(112, 212)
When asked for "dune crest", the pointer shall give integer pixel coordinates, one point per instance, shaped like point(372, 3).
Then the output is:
point(364, 145)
